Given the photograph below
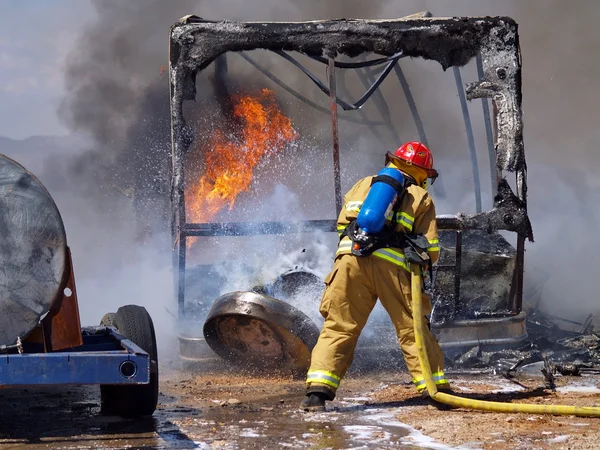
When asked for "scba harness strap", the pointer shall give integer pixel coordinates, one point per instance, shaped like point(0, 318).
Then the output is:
point(398, 187)
point(414, 246)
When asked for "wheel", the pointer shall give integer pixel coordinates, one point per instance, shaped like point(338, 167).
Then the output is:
point(134, 323)
point(260, 333)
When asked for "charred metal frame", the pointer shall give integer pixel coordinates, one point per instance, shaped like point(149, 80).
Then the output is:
point(453, 42)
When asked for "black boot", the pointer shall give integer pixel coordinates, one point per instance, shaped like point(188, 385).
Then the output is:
point(314, 401)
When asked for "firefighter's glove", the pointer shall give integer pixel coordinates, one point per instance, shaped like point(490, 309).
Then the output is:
point(415, 250)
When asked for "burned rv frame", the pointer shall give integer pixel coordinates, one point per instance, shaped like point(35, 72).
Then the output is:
point(453, 42)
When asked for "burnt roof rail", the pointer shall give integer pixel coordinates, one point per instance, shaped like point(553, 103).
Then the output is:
point(195, 43)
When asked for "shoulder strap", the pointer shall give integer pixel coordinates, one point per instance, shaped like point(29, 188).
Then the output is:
point(398, 187)
point(408, 180)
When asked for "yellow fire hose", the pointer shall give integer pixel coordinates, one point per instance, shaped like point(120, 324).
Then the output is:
point(460, 402)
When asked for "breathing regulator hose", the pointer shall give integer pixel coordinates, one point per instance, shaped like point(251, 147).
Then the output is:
point(460, 402)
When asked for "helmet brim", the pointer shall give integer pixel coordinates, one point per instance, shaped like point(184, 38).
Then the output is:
point(431, 173)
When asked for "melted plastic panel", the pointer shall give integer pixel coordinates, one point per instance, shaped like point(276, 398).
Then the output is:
point(33, 248)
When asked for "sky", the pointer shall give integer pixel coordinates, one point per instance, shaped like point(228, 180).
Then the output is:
point(35, 37)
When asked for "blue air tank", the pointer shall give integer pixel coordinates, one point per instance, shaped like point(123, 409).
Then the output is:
point(379, 202)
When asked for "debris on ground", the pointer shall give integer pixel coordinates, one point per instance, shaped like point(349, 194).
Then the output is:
point(550, 351)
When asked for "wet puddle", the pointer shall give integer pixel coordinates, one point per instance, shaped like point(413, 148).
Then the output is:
point(348, 426)
point(70, 419)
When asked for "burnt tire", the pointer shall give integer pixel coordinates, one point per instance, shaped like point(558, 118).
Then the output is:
point(134, 323)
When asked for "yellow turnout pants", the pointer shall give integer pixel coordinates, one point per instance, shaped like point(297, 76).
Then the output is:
point(352, 289)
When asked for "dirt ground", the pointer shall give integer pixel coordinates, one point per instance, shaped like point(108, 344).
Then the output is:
point(223, 408)
point(391, 401)
point(478, 429)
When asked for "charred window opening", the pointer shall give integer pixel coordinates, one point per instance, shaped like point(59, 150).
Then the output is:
point(371, 48)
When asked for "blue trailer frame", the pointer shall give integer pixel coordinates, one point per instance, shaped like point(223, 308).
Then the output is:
point(106, 357)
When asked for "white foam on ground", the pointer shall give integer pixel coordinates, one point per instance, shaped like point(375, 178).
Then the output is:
point(327, 416)
point(507, 389)
point(563, 438)
point(250, 432)
point(355, 399)
point(202, 445)
point(462, 388)
point(380, 432)
point(308, 435)
point(415, 437)
point(501, 386)
point(373, 434)
point(579, 387)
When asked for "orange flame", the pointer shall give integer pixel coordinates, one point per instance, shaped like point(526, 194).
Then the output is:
point(230, 162)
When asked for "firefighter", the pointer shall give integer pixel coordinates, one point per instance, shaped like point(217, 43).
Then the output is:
point(356, 282)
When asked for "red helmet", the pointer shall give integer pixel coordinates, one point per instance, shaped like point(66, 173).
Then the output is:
point(416, 154)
